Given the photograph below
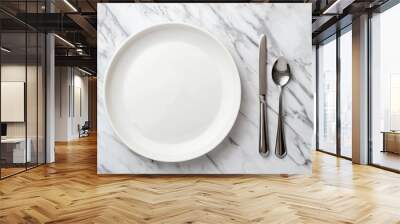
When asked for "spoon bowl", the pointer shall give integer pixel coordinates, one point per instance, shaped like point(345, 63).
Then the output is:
point(281, 76)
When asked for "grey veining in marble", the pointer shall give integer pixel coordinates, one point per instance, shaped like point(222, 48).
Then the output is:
point(238, 26)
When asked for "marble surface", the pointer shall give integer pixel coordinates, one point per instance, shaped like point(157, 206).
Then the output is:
point(238, 26)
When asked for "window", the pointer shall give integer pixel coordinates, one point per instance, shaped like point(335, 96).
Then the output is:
point(346, 93)
point(327, 97)
point(394, 116)
point(385, 89)
point(333, 137)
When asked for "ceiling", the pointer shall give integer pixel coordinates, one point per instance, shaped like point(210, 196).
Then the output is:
point(75, 22)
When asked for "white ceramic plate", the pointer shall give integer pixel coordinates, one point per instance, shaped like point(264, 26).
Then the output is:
point(172, 92)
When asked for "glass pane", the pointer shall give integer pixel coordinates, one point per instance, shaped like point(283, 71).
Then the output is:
point(13, 86)
point(41, 99)
point(22, 102)
point(31, 100)
point(327, 96)
point(346, 93)
point(386, 89)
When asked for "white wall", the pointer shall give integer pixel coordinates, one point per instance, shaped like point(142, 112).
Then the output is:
point(81, 84)
point(70, 109)
point(50, 93)
point(61, 103)
point(15, 72)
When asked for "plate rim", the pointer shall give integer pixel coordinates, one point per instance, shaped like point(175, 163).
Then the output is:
point(236, 74)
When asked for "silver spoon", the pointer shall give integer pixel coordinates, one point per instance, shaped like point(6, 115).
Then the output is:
point(281, 76)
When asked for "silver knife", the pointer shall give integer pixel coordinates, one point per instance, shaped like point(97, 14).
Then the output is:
point(263, 145)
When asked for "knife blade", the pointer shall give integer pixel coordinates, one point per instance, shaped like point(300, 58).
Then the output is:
point(263, 146)
point(262, 65)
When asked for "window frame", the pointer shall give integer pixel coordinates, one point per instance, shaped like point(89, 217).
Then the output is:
point(334, 37)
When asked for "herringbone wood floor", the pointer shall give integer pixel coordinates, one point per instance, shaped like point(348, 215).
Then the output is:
point(70, 191)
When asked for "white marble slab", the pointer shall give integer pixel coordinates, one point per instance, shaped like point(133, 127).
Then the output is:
point(238, 26)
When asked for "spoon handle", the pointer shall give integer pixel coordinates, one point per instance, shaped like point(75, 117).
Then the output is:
point(263, 138)
point(280, 147)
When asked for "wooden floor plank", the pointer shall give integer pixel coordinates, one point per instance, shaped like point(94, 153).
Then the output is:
point(70, 191)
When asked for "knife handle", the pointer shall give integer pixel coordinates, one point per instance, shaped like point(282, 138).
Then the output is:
point(263, 138)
